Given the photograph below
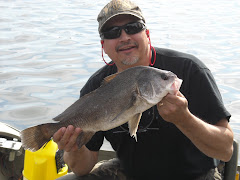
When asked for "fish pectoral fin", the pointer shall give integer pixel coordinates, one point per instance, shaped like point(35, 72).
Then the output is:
point(109, 78)
point(84, 137)
point(131, 103)
point(133, 125)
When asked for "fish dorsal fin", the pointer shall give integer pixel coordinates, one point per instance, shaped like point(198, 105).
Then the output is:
point(109, 78)
point(133, 125)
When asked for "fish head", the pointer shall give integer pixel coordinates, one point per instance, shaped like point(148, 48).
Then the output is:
point(155, 83)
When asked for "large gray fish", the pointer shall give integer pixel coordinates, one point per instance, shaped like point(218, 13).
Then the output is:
point(121, 98)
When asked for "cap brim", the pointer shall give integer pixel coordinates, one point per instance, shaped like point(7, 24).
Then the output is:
point(121, 13)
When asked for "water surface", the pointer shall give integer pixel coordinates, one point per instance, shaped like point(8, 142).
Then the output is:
point(48, 50)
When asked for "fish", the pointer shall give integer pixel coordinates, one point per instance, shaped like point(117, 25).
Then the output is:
point(121, 98)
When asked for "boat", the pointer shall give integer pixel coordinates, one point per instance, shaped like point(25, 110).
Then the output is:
point(18, 164)
point(11, 153)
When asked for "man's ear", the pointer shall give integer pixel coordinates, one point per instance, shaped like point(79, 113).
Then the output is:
point(147, 32)
point(102, 42)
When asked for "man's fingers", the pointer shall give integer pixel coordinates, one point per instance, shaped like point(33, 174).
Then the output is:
point(170, 98)
point(58, 135)
point(71, 144)
point(66, 137)
point(180, 94)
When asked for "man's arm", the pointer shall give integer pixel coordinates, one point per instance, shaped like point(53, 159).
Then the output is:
point(215, 141)
point(80, 161)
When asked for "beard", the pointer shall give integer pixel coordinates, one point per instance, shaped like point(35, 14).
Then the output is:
point(130, 60)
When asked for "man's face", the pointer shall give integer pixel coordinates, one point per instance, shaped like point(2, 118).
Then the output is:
point(127, 50)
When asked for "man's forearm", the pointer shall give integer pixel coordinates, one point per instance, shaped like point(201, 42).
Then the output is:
point(213, 140)
point(81, 161)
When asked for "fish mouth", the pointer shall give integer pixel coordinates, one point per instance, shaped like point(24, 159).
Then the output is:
point(177, 83)
point(174, 88)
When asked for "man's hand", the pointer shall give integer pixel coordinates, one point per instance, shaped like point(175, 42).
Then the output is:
point(66, 138)
point(173, 108)
point(80, 161)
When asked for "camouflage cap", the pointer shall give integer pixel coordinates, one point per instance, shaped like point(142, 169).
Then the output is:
point(117, 7)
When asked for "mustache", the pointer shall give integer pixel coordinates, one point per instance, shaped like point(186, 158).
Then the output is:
point(126, 44)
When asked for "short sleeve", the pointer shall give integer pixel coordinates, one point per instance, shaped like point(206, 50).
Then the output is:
point(205, 100)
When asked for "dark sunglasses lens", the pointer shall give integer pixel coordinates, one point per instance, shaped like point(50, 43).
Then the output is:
point(134, 28)
point(112, 33)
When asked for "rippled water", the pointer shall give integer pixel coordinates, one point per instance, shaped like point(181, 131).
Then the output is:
point(48, 49)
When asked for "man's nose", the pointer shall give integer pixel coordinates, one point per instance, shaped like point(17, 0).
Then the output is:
point(124, 36)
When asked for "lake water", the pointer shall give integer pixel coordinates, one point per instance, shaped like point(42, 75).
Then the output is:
point(48, 50)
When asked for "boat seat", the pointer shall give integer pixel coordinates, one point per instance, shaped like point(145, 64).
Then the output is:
point(231, 166)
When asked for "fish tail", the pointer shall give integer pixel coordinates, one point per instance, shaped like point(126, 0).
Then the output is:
point(35, 137)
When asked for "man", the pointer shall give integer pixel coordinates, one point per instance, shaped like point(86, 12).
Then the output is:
point(182, 136)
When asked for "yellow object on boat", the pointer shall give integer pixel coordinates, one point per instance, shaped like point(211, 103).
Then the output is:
point(237, 176)
point(41, 165)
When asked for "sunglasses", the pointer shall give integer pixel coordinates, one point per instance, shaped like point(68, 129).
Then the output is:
point(130, 28)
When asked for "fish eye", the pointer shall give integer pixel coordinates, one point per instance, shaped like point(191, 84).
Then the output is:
point(164, 77)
